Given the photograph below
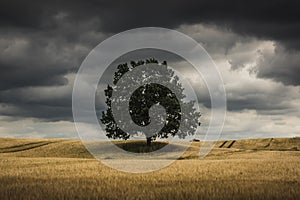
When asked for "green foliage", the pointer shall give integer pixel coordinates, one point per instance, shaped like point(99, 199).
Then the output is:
point(148, 95)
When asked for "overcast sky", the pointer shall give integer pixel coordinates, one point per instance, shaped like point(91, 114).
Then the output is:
point(255, 44)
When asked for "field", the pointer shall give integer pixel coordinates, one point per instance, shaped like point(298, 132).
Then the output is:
point(63, 169)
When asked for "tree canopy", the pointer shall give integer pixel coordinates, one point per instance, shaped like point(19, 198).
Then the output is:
point(147, 95)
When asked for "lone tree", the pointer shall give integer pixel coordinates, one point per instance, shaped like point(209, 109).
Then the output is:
point(145, 97)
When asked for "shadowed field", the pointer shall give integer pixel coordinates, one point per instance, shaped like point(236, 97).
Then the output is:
point(63, 169)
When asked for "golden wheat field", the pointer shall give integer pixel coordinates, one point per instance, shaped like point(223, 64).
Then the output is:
point(63, 169)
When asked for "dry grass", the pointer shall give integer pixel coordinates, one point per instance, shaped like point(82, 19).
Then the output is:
point(63, 169)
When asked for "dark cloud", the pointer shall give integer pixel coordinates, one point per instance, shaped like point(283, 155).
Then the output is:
point(278, 20)
point(282, 66)
point(275, 20)
point(268, 60)
point(41, 42)
point(41, 112)
point(261, 104)
point(36, 60)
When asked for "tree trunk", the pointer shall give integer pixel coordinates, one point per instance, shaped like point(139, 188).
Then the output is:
point(149, 141)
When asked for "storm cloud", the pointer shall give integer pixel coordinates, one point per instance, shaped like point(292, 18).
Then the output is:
point(42, 44)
